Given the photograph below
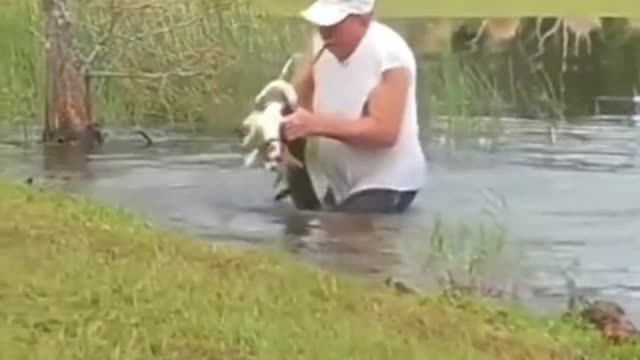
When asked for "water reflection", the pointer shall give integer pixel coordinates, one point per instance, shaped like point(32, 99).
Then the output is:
point(351, 244)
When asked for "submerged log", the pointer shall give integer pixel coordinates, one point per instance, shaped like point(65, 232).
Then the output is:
point(68, 117)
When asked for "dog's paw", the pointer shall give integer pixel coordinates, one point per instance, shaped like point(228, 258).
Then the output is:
point(270, 165)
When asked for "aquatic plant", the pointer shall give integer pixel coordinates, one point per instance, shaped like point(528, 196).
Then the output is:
point(460, 96)
point(472, 256)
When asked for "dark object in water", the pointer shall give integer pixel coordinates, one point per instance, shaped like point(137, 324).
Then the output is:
point(299, 186)
point(607, 316)
point(146, 137)
point(400, 286)
point(89, 138)
point(611, 320)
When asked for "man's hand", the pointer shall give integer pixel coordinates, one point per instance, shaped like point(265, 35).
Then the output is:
point(300, 124)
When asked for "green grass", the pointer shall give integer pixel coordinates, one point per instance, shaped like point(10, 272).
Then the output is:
point(484, 8)
point(19, 70)
point(80, 280)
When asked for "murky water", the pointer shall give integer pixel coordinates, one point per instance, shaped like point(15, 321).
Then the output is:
point(567, 202)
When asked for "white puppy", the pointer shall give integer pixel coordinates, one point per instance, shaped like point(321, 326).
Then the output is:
point(262, 126)
point(263, 131)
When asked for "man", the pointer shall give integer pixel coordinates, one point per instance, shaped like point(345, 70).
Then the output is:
point(358, 110)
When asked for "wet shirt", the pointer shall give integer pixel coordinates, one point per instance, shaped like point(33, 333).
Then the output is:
point(342, 89)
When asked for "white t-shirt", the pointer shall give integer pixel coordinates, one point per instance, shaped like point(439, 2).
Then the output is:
point(342, 89)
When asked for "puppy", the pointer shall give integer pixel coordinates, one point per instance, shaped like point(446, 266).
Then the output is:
point(263, 126)
point(263, 129)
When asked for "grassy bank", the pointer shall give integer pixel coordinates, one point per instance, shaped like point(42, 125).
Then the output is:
point(79, 280)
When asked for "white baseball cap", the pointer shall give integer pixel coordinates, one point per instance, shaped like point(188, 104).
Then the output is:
point(330, 12)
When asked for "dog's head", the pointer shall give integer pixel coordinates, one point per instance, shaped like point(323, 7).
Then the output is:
point(277, 91)
point(263, 126)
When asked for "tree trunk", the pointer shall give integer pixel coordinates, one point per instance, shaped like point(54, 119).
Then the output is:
point(67, 103)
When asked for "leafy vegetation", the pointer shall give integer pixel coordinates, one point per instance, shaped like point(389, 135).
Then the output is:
point(181, 63)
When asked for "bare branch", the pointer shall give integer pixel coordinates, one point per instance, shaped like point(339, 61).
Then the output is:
point(105, 38)
point(542, 38)
point(166, 29)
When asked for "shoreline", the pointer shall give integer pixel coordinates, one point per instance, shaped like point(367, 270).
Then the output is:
point(82, 279)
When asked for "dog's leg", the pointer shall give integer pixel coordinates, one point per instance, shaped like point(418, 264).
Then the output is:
point(249, 128)
point(282, 190)
point(251, 134)
point(282, 194)
point(251, 157)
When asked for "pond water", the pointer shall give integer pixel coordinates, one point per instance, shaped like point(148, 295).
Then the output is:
point(566, 197)
point(567, 202)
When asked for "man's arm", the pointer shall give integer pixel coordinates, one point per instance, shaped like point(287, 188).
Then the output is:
point(380, 128)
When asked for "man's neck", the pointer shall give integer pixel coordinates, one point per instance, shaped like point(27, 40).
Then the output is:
point(362, 32)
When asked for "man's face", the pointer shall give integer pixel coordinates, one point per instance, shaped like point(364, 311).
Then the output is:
point(342, 38)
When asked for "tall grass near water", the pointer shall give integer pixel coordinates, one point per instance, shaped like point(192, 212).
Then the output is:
point(189, 63)
point(199, 63)
point(20, 54)
point(461, 95)
point(153, 61)
point(549, 69)
point(474, 255)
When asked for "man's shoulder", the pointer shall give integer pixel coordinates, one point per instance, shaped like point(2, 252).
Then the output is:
point(390, 34)
point(392, 43)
